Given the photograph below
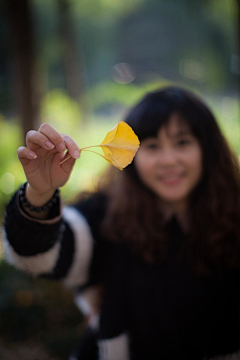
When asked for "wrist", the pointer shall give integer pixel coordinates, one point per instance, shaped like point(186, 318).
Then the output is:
point(37, 198)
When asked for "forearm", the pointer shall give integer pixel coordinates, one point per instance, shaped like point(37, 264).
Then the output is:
point(59, 248)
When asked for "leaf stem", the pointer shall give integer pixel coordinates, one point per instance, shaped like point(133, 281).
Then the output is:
point(87, 147)
point(65, 160)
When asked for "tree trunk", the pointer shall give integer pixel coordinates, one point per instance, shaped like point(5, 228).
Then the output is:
point(25, 82)
point(71, 59)
point(238, 32)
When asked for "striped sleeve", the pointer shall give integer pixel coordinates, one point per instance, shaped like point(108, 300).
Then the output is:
point(59, 248)
point(78, 272)
point(31, 245)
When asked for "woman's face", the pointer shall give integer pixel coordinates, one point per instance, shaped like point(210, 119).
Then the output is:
point(171, 163)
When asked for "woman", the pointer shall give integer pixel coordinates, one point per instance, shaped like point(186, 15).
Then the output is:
point(160, 240)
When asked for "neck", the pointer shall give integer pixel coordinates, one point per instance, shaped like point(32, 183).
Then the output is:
point(178, 209)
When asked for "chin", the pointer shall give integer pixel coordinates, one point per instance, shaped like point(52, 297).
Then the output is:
point(173, 198)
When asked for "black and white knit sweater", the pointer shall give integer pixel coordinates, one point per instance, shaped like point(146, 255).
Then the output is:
point(148, 311)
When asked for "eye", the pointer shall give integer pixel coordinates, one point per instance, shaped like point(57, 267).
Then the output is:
point(151, 146)
point(183, 142)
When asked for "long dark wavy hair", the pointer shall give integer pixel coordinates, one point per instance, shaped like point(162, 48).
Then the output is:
point(133, 215)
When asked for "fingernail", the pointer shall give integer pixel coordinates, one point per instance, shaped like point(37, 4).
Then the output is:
point(76, 153)
point(49, 145)
point(61, 147)
point(32, 155)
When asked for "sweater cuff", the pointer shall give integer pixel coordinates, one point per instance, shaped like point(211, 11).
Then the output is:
point(55, 213)
point(29, 236)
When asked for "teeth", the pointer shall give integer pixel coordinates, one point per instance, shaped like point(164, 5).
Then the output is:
point(170, 177)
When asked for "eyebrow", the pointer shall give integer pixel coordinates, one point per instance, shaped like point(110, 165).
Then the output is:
point(180, 133)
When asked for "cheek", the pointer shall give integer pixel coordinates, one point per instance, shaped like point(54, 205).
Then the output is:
point(144, 165)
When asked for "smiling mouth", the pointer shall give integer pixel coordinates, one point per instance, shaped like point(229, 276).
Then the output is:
point(170, 179)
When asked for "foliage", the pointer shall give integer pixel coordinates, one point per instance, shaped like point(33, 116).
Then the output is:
point(10, 168)
point(154, 36)
point(105, 9)
point(228, 114)
point(108, 94)
point(61, 111)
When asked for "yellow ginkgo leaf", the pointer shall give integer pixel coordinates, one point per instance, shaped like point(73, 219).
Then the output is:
point(119, 146)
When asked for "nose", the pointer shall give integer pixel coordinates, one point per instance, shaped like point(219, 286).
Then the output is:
point(167, 157)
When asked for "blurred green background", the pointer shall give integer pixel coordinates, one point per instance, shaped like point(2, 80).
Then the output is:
point(80, 65)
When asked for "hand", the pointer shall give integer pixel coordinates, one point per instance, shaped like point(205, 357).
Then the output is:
point(41, 159)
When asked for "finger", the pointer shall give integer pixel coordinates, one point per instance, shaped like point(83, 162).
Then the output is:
point(25, 155)
point(37, 138)
point(72, 146)
point(53, 136)
point(67, 166)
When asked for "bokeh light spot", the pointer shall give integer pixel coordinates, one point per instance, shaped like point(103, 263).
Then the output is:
point(7, 183)
point(123, 73)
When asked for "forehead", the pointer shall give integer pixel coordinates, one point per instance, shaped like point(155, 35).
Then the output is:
point(176, 126)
